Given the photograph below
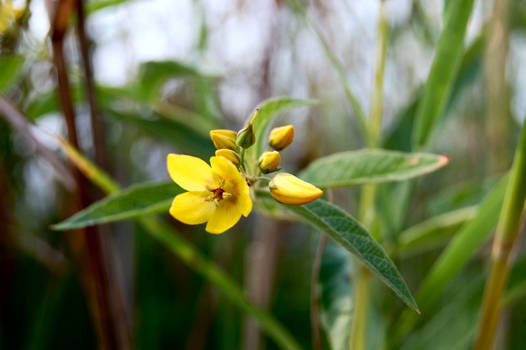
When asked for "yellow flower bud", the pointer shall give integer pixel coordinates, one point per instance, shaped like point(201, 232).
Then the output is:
point(230, 155)
point(288, 189)
point(269, 162)
point(223, 138)
point(280, 138)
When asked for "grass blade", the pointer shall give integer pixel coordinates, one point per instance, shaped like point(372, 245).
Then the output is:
point(443, 71)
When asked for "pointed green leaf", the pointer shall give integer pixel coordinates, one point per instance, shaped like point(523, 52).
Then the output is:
point(267, 111)
point(351, 235)
point(370, 166)
point(443, 71)
point(135, 201)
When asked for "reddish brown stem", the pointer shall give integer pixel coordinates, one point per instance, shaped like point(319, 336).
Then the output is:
point(96, 124)
point(105, 325)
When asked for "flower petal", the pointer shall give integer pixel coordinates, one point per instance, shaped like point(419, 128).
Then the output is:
point(192, 208)
point(244, 202)
point(224, 217)
point(191, 173)
point(227, 171)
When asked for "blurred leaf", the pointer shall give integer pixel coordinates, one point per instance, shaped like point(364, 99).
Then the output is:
point(137, 200)
point(153, 74)
point(351, 235)
point(434, 231)
point(460, 195)
point(205, 99)
point(267, 111)
point(194, 121)
point(10, 71)
point(48, 102)
point(393, 203)
point(470, 68)
point(42, 104)
point(178, 134)
point(370, 166)
point(336, 296)
point(443, 71)
point(95, 5)
point(398, 137)
point(471, 237)
point(453, 325)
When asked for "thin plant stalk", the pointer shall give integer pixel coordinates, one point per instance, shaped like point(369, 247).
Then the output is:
point(367, 200)
point(505, 238)
point(315, 295)
point(337, 65)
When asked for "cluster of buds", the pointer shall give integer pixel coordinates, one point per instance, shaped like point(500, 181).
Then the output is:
point(285, 188)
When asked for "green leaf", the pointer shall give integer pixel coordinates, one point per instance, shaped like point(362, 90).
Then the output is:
point(453, 325)
point(181, 136)
point(153, 74)
point(370, 166)
point(433, 231)
point(460, 195)
point(336, 296)
point(398, 137)
point(48, 102)
point(95, 5)
point(471, 237)
point(138, 200)
point(351, 235)
point(10, 71)
point(267, 111)
point(443, 70)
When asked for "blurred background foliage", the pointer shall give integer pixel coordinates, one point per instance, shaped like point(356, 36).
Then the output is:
point(166, 72)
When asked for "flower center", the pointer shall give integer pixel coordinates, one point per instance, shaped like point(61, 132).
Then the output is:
point(218, 194)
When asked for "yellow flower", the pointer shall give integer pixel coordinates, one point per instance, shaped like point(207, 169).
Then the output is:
point(223, 138)
point(281, 137)
point(218, 194)
point(8, 15)
point(269, 162)
point(288, 189)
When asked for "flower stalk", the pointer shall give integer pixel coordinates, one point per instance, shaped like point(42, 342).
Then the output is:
point(357, 340)
point(505, 238)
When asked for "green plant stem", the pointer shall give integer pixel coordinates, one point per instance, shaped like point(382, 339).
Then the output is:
point(505, 237)
point(361, 307)
point(375, 120)
point(357, 339)
point(315, 295)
